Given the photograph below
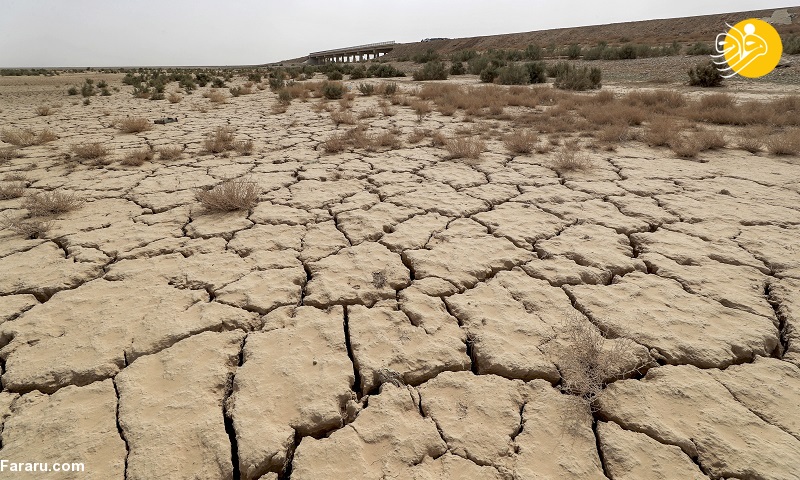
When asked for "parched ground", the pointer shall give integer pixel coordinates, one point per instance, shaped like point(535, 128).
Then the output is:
point(390, 312)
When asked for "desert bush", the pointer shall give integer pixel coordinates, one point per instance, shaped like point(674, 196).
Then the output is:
point(30, 228)
point(416, 136)
point(592, 361)
point(220, 140)
point(72, 90)
point(699, 49)
point(521, 142)
point(752, 139)
point(656, 101)
point(429, 55)
point(388, 89)
point(137, 158)
point(708, 140)
point(332, 90)
point(334, 144)
point(704, 75)
point(90, 151)
point(358, 73)
point(367, 113)
point(386, 110)
point(573, 52)
point(366, 89)
point(421, 108)
point(578, 79)
point(170, 153)
point(464, 147)
point(458, 68)
point(340, 117)
point(386, 140)
point(27, 137)
point(51, 203)
point(174, 98)
point(335, 75)
point(685, 146)
point(614, 133)
point(570, 159)
point(513, 75)
point(8, 153)
point(555, 69)
point(284, 97)
point(216, 96)
point(229, 196)
point(134, 125)
point(660, 132)
point(431, 71)
point(244, 147)
point(43, 110)
point(11, 190)
point(537, 72)
point(785, 143)
point(791, 45)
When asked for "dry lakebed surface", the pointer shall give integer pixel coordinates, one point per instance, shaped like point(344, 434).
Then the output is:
point(515, 289)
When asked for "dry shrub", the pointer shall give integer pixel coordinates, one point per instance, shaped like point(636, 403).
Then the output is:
point(8, 153)
point(27, 137)
point(51, 203)
point(43, 110)
point(661, 132)
point(334, 144)
point(786, 143)
point(753, 139)
point(169, 153)
point(613, 114)
point(341, 117)
point(229, 196)
point(297, 90)
point(614, 133)
point(11, 190)
point(216, 96)
point(345, 103)
point(136, 158)
point(243, 147)
point(30, 228)
point(385, 140)
point(438, 139)
point(220, 140)
point(570, 159)
point(421, 109)
point(134, 125)
point(708, 140)
point(386, 110)
point(90, 151)
point(593, 361)
point(367, 113)
point(716, 100)
point(656, 101)
point(174, 98)
point(684, 146)
point(521, 142)
point(416, 136)
point(464, 147)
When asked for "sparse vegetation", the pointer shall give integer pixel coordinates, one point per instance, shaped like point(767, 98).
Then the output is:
point(220, 140)
point(332, 90)
point(431, 71)
point(366, 89)
point(230, 195)
point(43, 110)
point(29, 228)
point(521, 142)
point(27, 137)
point(90, 151)
point(705, 75)
point(137, 158)
point(463, 147)
point(134, 125)
point(570, 159)
point(11, 190)
point(8, 153)
point(785, 143)
point(578, 78)
point(169, 153)
point(51, 203)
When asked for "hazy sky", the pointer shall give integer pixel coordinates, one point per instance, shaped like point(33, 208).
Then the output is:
point(204, 32)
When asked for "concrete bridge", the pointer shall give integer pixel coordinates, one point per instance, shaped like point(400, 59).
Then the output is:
point(351, 54)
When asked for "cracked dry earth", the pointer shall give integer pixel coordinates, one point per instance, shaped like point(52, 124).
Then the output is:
point(393, 314)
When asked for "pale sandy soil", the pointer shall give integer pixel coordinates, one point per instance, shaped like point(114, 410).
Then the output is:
point(392, 314)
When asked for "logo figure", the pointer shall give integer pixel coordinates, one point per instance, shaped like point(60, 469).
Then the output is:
point(752, 48)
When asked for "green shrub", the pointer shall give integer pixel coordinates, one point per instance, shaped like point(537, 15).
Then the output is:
point(579, 79)
point(791, 45)
point(335, 75)
point(389, 88)
point(358, 73)
point(533, 52)
point(699, 49)
point(463, 56)
point(87, 89)
point(537, 72)
point(457, 68)
point(431, 71)
point(513, 75)
point(705, 75)
point(573, 52)
point(429, 56)
point(333, 90)
point(558, 68)
point(490, 73)
point(217, 82)
point(72, 91)
point(384, 71)
point(276, 83)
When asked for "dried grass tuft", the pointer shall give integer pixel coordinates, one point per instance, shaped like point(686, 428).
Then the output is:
point(134, 125)
point(570, 159)
point(521, 142)
point(229, 196)
point(90, 151)
point(51, 203)
point(169, 153)
point(11, 190)
point(463, 147)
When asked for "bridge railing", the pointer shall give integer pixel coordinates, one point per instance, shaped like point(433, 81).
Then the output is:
point(350, 49)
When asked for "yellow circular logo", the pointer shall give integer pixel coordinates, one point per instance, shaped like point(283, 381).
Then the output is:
point(752, 48)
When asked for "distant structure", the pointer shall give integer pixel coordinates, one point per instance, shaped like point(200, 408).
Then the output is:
point(351, 54)
point(434, 39)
